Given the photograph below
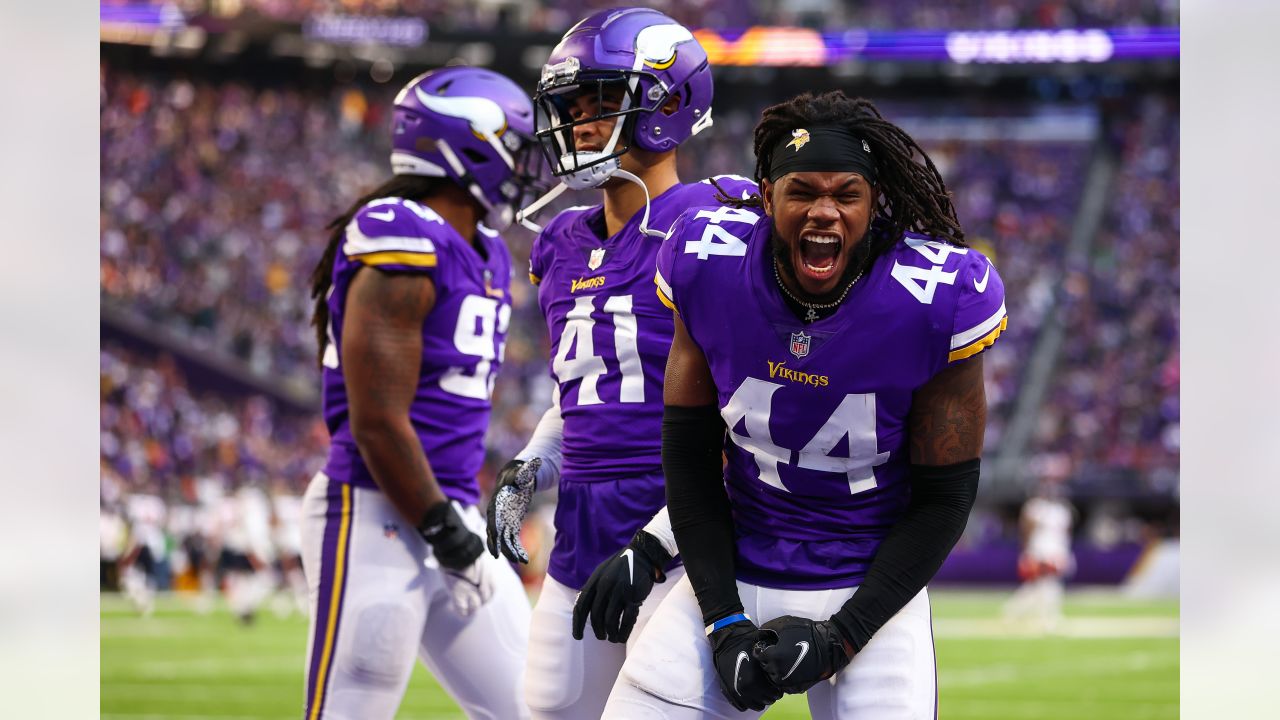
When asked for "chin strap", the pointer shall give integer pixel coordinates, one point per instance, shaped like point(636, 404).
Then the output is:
point(644, 219)
point(532, 208)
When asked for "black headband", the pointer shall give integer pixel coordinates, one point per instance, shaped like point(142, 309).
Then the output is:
point(822, 149)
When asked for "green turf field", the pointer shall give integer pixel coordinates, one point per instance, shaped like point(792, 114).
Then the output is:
point(1112, 658)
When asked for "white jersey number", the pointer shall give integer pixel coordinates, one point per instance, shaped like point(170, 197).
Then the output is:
point(715, 239)
point(478, 318)
point(855, 418)
point(586, 365)
point(921, 283)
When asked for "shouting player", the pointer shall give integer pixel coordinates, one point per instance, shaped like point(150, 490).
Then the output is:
point(412, 306)
point(831, 329)
point(620, 92)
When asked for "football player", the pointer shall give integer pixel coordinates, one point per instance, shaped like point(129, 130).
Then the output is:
point(412, 306)
point(623, 89)
point(1045, 529)
point(828, 339)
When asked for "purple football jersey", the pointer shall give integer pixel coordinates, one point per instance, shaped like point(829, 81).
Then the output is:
point(816, 413)
point(610, 337)
point(462, 337)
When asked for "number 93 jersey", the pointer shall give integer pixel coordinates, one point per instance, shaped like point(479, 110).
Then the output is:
point(463, 337)
point(817, 413)
point(609, 334)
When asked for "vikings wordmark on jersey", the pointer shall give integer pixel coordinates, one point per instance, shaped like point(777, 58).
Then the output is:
point(819, 410)
point(609, 341)
point(462, 339)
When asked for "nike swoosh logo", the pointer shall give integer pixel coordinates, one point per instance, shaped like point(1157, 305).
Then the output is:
point(385, 216)
point(742, 655)
point(982, 286)
point(804, 650)
point(631, 565)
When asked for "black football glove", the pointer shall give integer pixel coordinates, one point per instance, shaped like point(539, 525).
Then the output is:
point(800, 653)
point(742, 679)
point(614, 592)
point(454, 546)
point(517, 481)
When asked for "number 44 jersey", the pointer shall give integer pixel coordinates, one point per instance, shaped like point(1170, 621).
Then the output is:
point(817, 413)
point(462, 337)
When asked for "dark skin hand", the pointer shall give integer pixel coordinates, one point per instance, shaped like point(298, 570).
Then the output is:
point(381, 357)
point(949, 415)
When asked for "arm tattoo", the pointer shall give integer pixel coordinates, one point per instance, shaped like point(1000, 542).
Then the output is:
point(385, 313)
point(949, 416)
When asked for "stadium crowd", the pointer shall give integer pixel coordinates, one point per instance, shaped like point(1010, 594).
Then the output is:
point(1112, 414)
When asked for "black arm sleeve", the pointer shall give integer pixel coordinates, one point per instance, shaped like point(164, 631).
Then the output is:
point(941, 498)
point(692, 440)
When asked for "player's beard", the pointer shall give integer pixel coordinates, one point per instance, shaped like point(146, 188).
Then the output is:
point(782, 255)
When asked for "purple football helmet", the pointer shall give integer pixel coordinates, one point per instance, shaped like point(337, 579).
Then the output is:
point(474, 127)
point(637, 58)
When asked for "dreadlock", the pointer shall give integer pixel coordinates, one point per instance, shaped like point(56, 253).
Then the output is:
point(913, 196)
point(404, 186)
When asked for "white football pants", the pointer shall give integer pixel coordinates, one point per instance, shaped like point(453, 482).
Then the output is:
point(375, 605)
point(569, 679)
point(669, 674)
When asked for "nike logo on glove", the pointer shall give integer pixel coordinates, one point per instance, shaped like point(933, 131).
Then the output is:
point(631, 565)
point(804, 650)
point(737, 667)
point(982, 286)
point(386, 216)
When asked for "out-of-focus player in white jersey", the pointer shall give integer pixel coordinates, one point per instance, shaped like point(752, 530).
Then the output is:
point(287, 531)
point(246, 556)
point(147, 549)
point(1046, 559)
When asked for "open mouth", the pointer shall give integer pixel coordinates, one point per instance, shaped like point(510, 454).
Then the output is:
point(818, 254)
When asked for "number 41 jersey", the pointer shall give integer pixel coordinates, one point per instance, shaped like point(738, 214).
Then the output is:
point(609, 335)
point(463, 337)
point(817, 413)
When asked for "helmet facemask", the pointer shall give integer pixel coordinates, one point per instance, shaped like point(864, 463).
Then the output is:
point(613, 94)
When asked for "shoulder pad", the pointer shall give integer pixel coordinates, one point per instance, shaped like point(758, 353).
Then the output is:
point(395, 231)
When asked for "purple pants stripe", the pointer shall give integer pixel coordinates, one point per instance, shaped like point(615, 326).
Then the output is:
point(333, 565)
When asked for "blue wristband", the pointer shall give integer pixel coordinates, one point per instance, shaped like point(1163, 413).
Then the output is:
point(722, 622)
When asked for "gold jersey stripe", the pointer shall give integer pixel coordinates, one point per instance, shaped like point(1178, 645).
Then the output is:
point(980, 344)
point(663, 297)
point(534, 279)
point(397, 258)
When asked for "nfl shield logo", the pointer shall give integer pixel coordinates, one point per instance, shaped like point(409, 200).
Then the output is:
point(800, 344)
point(597, 258)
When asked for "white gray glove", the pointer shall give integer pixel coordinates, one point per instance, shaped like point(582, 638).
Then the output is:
point(517, 481)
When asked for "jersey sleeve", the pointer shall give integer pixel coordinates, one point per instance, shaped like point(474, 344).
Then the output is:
point(735, 186)
point(980, 314)
point(389, 236)
point(538, 254)
point(665, 277)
